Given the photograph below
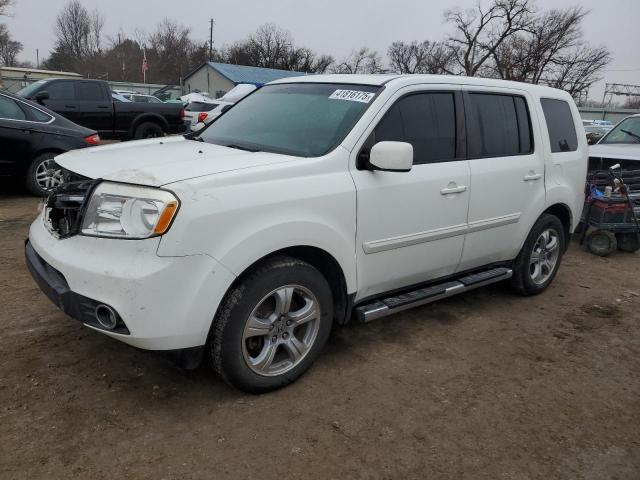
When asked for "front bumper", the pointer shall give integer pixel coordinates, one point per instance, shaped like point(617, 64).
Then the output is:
point(163, 303)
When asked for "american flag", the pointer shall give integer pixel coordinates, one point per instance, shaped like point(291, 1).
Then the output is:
point(145, 64)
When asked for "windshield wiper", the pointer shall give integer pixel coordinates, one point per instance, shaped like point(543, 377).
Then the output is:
point(242, 147)
point(631, 134)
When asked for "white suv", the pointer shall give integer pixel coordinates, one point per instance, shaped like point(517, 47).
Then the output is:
point(316, 200)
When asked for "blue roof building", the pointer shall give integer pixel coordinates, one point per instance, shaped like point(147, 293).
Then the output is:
point(216, 79)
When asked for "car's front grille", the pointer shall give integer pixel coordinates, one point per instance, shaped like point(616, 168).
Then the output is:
point(64, 207)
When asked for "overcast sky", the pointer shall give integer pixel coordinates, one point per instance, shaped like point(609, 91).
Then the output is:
point(327, 26)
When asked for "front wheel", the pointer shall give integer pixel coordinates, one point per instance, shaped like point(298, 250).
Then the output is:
point(272, 326)
point(537, 263)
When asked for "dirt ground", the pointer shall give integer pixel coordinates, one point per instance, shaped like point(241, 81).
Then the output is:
point(483, 386)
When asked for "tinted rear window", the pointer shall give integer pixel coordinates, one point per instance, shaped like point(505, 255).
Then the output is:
point(562, 130)
point(89, 91)
point(493, 131)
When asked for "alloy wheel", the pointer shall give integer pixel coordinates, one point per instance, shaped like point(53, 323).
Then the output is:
point(544, 256)
point(281, 330)
point(49, 175)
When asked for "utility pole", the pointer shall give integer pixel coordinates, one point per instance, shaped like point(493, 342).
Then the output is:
point(37, 58)
point(211, 40)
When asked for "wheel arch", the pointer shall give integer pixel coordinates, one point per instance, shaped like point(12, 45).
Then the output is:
point(563, 213)
point(324, 262)
point(148, 117)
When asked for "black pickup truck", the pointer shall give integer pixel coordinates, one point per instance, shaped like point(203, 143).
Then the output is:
point(91, 104)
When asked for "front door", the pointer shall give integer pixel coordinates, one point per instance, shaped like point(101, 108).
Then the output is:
point(411, 225)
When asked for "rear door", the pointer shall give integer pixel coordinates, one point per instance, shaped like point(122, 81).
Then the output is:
point(16, 133)
point(411, 225)
point(94, 106)
point(507, 174)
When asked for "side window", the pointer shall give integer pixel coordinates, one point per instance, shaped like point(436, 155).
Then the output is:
point(89, 92)
point(493, 130)
point(10, 109)
point(562, 130)
point(37, 115)
point(60, 91)
point(427, 121)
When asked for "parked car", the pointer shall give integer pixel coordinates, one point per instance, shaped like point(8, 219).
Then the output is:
point(31, 136)
point(621, 145)
point(200, 114)
point(90, 103)
point(141, 98)
point(315, 201)
point(595, 133)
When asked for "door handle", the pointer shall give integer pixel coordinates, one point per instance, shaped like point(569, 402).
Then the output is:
point(531, 177)
point(450, 190)
point(103, 106)
point(69, 106)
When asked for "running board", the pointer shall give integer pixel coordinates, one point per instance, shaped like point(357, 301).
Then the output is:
point(390, 305)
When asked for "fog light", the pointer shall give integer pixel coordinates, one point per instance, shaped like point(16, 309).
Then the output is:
point(106, 317)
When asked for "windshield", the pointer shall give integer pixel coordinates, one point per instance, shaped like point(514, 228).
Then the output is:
point(303, 119)
point(627, 131)
point(29, 90)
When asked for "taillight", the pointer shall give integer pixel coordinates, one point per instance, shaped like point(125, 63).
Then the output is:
point(93, 139)
point(182, 114)
point(202, 116)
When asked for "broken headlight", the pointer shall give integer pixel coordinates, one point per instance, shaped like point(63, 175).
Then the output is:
point(118, 210)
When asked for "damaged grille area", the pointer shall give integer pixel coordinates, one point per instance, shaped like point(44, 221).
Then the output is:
point(64, 208)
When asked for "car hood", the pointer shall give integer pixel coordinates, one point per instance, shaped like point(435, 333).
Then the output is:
point(622, 151)
point(157, 162)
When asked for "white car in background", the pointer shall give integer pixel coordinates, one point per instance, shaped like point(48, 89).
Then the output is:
point(141, 98)
point(202, 113)
point(620, 146)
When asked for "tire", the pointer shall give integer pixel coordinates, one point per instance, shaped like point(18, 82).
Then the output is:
point(601, 242)
point(148, 130)
point(272, 350)
point(43, 175)
point(628, 242)
point(531, 277)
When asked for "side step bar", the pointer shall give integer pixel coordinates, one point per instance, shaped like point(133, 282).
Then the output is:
point(390, 305)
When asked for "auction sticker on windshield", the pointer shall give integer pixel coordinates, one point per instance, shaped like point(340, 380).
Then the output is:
point(352, 95)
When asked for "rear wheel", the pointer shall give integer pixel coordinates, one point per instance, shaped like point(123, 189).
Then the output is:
point(601, 242)
point(43, 175)
point(148, 130)
point(628, 242)
point(536, 265)
point(272, 326)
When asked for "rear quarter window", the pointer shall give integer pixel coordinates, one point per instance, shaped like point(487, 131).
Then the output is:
point(560, 125)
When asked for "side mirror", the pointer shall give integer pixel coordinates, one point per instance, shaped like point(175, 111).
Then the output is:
point(392, 156)
point(42, 96)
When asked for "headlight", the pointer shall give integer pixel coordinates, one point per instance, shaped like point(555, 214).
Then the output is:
point(118, 210)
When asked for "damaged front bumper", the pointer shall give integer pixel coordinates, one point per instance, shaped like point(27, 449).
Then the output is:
point(162, 303)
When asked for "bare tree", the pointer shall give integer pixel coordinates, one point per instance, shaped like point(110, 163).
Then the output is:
point(4, 4)
point(360, 61)
point(420, 57)
point(9, 49)
point(78, 31)
point(481, 31)
point(578, 70)
point(273, 47)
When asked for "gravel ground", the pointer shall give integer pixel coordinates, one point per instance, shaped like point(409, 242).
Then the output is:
point(483, 386)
